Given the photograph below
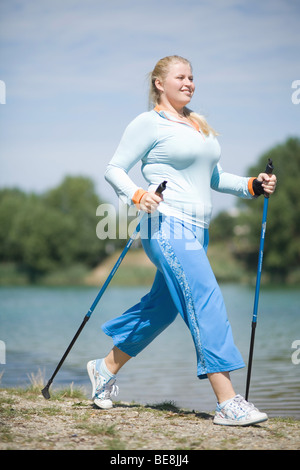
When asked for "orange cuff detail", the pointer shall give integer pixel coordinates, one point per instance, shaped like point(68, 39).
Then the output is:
point(138, 196)
point(250, 186)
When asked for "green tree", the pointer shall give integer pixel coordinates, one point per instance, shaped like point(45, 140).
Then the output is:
point(44, 233)
point(222, 227)
point(11, 204)
point(39, 237)
point(282, 245)
point(76, 200)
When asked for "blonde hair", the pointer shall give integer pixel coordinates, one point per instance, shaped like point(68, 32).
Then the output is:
point(160, 72)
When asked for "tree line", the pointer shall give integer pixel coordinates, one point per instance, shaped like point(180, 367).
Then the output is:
point(47, 232)
point(281, 260)
point(43, 233)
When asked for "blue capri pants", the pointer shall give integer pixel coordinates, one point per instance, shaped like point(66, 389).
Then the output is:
point(184, 283)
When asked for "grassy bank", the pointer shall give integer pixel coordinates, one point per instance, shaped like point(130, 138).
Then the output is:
point(68, 421)
point(136, 269)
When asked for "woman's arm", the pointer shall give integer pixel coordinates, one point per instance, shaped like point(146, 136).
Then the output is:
point(231, 184)
point(242, 186)
point(137, 140)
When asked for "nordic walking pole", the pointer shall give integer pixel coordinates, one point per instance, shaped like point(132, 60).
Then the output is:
point(269, 170)
point(45, 390)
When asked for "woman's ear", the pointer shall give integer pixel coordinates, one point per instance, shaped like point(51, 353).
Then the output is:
point(159, 84)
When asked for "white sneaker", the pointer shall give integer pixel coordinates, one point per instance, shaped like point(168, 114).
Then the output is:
point(238, 412)
point(102, 389)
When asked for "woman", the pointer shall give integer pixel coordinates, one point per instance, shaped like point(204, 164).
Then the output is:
point(177, 145)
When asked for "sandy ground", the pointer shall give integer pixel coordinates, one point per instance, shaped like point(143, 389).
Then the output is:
point(28, 421)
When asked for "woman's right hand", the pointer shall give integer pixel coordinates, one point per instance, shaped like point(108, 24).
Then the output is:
point(150, 202)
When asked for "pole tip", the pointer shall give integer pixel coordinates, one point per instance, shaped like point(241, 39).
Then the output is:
point(45, 392)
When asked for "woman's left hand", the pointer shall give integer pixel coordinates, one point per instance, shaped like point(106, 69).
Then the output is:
point(150, 201)
point(268, 182)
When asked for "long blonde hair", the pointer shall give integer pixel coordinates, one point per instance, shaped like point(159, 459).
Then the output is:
point(160, 72)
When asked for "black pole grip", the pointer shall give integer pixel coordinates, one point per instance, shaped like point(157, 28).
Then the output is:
point(161, 187)
point(269, 167)
point(269, 171)
point(257, 185)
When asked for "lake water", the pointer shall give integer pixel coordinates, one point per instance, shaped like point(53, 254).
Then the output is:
point(38, 323)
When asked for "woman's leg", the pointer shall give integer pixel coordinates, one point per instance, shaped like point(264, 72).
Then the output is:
point(131, 333)
point(116, 359)
point(196, 294)
point(179, 252)
point(232, 409)
point(136, 328)
point(221, 385)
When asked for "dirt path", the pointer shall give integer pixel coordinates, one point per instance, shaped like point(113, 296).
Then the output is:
point(28, 421)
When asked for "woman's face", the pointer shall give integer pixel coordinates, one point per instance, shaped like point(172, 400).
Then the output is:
point(178, 87)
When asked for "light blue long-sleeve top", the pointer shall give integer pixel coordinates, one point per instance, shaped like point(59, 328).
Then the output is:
point(172, 150)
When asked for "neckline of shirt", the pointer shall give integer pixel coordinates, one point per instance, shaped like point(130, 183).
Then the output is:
point(166, 114)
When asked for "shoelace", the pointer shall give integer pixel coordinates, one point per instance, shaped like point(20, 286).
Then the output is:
point(240, 403)
point(111, 390)
point(107, 390)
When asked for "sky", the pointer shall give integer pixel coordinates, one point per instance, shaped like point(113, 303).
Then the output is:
point(75, 74)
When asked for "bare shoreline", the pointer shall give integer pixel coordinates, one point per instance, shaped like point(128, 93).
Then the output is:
point(29, 422)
